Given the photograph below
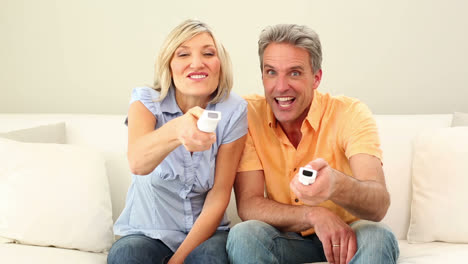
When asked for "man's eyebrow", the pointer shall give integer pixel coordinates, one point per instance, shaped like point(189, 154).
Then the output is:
point(297, 68)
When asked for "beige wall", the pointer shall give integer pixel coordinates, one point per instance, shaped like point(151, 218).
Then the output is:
point(85, 56)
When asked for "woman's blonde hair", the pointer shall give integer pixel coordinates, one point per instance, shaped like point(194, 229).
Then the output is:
point(183, 32)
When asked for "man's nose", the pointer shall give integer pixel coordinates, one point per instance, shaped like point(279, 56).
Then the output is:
point(282, 84)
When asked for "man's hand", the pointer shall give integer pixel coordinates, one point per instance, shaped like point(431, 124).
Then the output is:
point(337, 237)
point(323, 187)
point(363, 194)
point(189, 135)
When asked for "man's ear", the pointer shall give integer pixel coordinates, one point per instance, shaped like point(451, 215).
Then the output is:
point(317, 78)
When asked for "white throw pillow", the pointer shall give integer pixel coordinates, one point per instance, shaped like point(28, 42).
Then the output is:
point(459, 119)
point(4, 240)
point(50, 133)
point(54, 195)
point(439, 209)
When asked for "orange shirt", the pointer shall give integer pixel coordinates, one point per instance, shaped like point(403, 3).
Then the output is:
point(335, 129)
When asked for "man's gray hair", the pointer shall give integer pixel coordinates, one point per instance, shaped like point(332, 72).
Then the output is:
point(299, 36)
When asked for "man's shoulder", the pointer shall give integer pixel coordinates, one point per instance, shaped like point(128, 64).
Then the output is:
point(256, 102)
point(341, 99)
point(254, 98)
point(343, 103)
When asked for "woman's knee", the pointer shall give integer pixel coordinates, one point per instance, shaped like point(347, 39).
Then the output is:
point(129, 249)
point(213, 250)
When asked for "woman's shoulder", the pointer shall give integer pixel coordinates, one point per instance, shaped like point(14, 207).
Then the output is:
point(148, 97)
point(233, 101)
point(145, 93)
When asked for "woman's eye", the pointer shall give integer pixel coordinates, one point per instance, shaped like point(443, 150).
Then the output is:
point(182, 54)
point(209, 53)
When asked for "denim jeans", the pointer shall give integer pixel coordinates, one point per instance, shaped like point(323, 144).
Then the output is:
point(140, 249)
point(257, 242)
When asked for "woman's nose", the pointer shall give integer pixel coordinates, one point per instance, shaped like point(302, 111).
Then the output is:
point(197, 61)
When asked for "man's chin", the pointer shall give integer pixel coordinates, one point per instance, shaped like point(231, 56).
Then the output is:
point(283, 116)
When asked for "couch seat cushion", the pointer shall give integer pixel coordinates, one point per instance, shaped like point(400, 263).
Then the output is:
point(432, 253)
point(24, 254)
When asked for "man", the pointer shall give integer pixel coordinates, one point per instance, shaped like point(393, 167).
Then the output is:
point(294, 126)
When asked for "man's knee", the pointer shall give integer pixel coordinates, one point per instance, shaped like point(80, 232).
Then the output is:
point(376, 238)
point(368, 232)
point(252, 242)
point(250, 234)
point(248, 229)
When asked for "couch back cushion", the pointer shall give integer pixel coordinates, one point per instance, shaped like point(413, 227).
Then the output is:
point(108, 134)
point(397, 133)
point(440, 178)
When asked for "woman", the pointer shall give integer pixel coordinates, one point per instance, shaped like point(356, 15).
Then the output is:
point(176, 212)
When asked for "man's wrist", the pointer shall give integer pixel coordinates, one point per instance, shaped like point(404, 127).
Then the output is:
point(339, 185)
point(313, 215)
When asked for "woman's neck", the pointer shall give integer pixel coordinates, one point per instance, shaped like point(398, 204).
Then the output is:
point(185, 102)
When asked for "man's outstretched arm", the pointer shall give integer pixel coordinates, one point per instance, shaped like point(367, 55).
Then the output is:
point(364, 195)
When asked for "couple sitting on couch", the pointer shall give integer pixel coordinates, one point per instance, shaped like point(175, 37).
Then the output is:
point(176, 213)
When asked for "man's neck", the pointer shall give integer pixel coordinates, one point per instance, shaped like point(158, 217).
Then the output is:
point(293, 131)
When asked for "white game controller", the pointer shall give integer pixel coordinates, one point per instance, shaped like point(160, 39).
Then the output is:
point(307, 176)
point(208, 121)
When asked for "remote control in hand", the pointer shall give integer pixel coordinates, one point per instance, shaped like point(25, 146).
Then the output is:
point(307, 176)
point(208, 121)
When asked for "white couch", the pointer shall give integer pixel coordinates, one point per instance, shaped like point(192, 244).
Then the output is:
point(107, 134)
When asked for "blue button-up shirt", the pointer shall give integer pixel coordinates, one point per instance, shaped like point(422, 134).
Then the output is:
point(166, 203)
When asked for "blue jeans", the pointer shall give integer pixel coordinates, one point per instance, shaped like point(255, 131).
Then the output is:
point(140, 249)
point(257, 242)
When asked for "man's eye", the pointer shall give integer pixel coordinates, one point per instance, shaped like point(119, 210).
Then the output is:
point(270, 72)
point(295, 73)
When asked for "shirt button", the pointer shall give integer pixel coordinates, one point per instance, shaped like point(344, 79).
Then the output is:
point(296, 200)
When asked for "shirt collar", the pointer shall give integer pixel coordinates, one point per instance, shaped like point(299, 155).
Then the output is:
point(315, 112)
point(270, 116)
point(313, 117)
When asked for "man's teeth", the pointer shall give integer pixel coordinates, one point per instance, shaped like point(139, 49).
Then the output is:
point(283, 99)
point(198, 76)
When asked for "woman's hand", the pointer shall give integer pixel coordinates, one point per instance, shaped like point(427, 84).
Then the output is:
point(189, 135)
point(175, 260)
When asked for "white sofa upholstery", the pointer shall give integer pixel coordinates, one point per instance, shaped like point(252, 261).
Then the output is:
point(108, 135)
